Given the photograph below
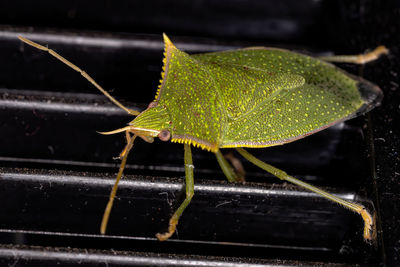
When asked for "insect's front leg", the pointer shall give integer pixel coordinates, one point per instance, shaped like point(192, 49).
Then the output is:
point(189, 194)
point(358, 59)
point(113, 193)
point(128, 139)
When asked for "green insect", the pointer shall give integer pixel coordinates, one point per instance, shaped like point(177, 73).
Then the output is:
point(252, 97)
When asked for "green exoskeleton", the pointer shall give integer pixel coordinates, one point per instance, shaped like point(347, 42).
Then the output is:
point(252, 97)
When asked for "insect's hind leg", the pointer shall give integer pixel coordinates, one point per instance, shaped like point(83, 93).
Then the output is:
point(113, 193)
point(358, 59)
point(173, 222)
point(228, 170)
point(369, 221)
point(83, 73)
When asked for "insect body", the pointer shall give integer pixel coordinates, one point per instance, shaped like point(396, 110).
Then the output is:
point(253, 97)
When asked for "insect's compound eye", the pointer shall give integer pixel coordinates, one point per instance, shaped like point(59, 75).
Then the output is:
point(164, 135)
point(152, 104)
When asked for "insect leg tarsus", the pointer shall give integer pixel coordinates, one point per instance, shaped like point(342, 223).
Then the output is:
point(227, 169)
point(358, 59)
point(107, 211)
point(83, 73)
point(369, 221)
point(189, 194)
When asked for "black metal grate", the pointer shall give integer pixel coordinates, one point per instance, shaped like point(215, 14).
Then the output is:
point(57, 171)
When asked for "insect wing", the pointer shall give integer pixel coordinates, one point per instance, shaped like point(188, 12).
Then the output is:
point(328, 95)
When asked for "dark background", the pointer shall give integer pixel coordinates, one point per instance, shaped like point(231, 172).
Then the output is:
point(57, 171)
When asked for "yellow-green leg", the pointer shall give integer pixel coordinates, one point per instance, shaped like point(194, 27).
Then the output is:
point(124, 157)
point(173, 222)
point(369, 221)
point(358, 59)
point(227, 168)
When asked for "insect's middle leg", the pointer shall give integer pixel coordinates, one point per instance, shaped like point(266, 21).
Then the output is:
point(227, 169)
point(358, 59)
point(173, 222)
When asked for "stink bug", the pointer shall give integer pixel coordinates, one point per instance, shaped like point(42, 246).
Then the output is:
point(252, 97)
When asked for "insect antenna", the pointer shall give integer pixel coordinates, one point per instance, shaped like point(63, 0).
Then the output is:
point(120, 130)
point(123, 156)
point(83, 73)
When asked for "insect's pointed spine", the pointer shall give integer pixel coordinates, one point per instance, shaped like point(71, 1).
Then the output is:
point(167, 41)
point(168, 45)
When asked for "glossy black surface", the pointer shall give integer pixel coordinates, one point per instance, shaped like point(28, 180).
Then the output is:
point(57, 171)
